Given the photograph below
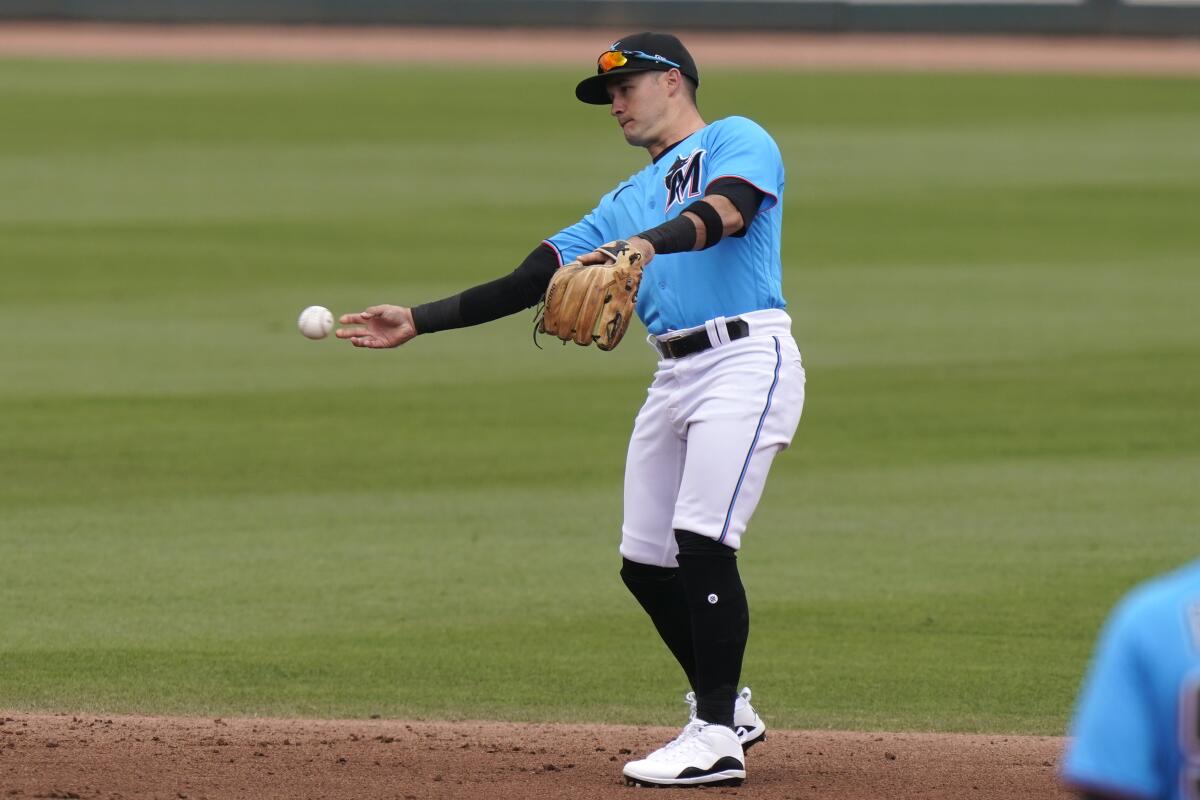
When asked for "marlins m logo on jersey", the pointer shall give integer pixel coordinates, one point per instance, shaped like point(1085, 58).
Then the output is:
point(683, 178)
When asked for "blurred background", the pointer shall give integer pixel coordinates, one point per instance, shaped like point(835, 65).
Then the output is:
point(1124, 17)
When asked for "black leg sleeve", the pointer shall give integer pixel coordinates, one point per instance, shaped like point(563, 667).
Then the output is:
point(716, 601)
point(660, 592)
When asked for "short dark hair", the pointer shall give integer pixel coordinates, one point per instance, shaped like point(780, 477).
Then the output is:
point(689, 86)
point(691, 89)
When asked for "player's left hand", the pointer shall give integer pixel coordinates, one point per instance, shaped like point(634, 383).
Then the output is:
point(593, 303)
point(603, 255)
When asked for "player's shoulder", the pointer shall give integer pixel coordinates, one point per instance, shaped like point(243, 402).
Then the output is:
point(1160, 601)
point(738, 126)
point(742, 135)
point(1171, 588)
point(736, 123)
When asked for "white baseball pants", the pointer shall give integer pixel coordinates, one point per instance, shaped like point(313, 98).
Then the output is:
point(705, 438)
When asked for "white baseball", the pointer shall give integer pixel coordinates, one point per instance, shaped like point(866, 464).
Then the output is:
point(315, 322)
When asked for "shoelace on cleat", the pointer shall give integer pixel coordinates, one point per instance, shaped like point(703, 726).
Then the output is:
point(685, 736)
point(691, 746)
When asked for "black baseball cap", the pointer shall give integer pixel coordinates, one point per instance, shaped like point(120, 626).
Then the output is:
point(640, 52)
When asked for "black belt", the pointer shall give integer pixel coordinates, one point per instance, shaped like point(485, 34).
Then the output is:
point(687, 344)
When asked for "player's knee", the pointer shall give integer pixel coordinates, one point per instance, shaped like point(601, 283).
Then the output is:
point(633, 573)
point(712, 586)
point(694, 544)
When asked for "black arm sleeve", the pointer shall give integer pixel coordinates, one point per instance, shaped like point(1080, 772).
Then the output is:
point(518, 290)
point(747, 199)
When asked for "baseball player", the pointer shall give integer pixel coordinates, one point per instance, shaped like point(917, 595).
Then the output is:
point(699, 227)
point(1136, 732)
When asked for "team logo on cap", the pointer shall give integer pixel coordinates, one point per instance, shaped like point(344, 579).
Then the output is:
point(683, 179)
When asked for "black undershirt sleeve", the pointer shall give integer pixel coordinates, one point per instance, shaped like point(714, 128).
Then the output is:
point(518, 290)
point(746, 198)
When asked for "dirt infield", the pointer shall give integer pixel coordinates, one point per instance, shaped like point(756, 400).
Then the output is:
point(473, 46)
point(116, 758)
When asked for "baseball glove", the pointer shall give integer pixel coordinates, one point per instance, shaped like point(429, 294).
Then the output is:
point(593, 303)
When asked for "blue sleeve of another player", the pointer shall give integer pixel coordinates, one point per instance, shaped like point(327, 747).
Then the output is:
point(1115, 737)
point(589, 233)
point(740, 148)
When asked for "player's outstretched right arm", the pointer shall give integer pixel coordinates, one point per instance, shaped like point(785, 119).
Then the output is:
point(391, 326)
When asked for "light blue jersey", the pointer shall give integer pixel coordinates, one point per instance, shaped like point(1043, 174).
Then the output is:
point(1136, 729)
point(737, 275)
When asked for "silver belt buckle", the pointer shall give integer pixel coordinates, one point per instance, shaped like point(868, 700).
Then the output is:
point(668, 344)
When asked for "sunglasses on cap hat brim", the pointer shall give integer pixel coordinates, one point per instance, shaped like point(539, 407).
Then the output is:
point(619, 58)
point(616, 62)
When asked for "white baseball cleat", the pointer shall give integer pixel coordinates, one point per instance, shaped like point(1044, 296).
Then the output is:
point(702, 755)
point(747, 724)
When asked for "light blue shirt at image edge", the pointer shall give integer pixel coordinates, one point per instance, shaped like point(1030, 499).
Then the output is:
point(738, 274)
point(1143, 683)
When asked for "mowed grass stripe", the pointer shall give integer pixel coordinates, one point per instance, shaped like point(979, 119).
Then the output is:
point(201, 512)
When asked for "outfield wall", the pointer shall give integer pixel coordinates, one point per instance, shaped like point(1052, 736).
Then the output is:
point(1070, 17)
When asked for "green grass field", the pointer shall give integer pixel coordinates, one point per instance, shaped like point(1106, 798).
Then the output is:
point(994, 281)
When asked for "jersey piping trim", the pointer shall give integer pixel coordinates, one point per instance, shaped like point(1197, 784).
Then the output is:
point(774, 197)
point(557, 252)
point(753, 443)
